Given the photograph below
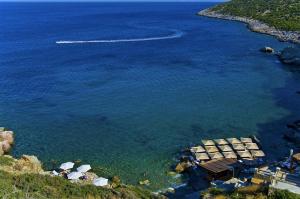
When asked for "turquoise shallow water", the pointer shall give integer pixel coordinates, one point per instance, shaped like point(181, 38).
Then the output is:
point(129, 107)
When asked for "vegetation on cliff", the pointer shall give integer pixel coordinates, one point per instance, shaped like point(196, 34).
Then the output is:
point(17, 180)
point(281, 14)
point(250, 192)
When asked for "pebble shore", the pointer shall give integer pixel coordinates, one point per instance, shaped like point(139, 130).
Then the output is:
point(256, 26)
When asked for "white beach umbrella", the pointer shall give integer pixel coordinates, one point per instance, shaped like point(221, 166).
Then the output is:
point(66, 165)
point(84, 168)
point(74, 175)
point(100, 182)
point(54, 173)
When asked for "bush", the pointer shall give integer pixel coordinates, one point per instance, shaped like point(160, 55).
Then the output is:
point(282, 14)
point(6, 161)
point(44, 186)
point(253, 189)
point(216, 191)
point(284, 194)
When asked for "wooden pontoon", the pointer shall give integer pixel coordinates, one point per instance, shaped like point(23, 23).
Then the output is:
point(246, 149)
point(222, 169)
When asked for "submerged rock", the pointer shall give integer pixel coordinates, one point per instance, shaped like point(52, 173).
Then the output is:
point(267, 50)
point(293, 137)
point(182, 166)
point(294, 126)
point(6, 140)
point(171, 173)
point(290, 56)
point(144, 182)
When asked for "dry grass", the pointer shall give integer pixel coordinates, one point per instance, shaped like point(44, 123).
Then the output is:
point(250, 189)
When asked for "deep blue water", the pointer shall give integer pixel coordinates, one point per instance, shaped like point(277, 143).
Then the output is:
point(128, 107)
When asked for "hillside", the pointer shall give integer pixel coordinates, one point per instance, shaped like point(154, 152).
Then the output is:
point(281, 14)
point(25, 178)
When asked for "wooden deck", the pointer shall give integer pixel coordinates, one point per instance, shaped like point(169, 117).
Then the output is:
point(218, 165)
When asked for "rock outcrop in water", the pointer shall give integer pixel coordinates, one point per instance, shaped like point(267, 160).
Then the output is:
point(6, 140)
point(293, 134)
point(267, 50)
point(290, 56)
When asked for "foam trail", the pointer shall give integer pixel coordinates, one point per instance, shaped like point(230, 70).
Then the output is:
point(177, 34)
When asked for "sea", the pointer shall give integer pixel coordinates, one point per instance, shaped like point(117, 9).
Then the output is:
point(126, 86)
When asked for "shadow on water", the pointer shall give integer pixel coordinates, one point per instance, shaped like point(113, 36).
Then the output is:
point(271, 133)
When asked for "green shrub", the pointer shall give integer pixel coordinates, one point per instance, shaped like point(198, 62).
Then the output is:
point(283, 194)
point(6, 161)
point(43, 186)
point(282, 14)
point(215, 191)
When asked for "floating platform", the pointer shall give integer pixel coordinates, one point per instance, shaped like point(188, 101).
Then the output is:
point(244, 148)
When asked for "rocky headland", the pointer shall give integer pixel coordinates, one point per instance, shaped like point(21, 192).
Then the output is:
point(255, 26)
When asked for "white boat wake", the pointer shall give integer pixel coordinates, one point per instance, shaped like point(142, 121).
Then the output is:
point(177, 34)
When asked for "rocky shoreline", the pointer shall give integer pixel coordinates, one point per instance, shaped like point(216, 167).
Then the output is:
point(25, 178)
point(6, 140)
point(28, 179)
point(256, 26)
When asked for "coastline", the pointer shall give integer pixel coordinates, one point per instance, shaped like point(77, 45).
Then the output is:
point(25, 177)
point(255, 26)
